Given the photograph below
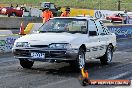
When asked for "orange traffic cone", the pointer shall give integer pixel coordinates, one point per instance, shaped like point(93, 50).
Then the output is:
point(22, 29)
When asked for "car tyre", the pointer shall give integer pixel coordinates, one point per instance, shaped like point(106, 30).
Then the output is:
point(13, 14)
point(107, 57)
point(26, 63)
point(80, 61)
point(111, 21)
point(8, 15)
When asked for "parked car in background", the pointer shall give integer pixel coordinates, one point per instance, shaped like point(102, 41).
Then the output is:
point(10, 11)
point(66, 39)
point(116, 17)
point(55, 10)
point(0, 9)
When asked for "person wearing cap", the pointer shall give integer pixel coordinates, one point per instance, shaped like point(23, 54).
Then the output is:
point(46, 14)
point(126, 17)
point(66, 13)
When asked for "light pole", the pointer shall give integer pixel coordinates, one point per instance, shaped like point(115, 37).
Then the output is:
point(119, 5)
point(99, 4)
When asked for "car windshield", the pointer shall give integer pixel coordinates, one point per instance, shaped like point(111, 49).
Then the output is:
point(69, 25)
point(123, 15)
point(119, 15)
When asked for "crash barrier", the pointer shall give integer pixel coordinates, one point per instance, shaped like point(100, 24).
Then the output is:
point(130, 21)
point(122, 30)
point(6, 32)
point(75, 12)
point(101, 14)
point(15, 22)
point(7, 40)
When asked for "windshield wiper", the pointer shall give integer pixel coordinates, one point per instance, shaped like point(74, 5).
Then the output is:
point(51, 31)
point(66, 31)
point(42, 31)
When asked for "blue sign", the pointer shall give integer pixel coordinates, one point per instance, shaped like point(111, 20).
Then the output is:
point(123, 31)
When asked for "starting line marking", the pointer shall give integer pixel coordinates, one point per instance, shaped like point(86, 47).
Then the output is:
point(120, 75)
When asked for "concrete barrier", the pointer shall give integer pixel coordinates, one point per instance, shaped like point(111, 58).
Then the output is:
point(6, 32)
point(14, 22)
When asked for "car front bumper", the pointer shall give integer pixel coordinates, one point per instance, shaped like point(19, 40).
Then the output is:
point(50, 55)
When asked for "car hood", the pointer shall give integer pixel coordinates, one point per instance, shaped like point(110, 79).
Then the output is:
point(47, 38)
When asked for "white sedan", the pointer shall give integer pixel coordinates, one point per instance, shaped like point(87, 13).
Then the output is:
point(66, 39)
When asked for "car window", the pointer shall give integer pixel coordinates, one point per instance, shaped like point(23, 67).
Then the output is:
point(117, 15)
point(92, 28)
point(52, 6)
point(102, 30)
point(65, 25)
point(46, 5)
point(99, 28)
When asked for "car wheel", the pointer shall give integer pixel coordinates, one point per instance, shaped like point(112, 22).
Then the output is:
point(81, 58)
point(80, 61)
point(107, 58)
point(13, 14)
point(111, 21)
point(26, 63)
point(8, 15)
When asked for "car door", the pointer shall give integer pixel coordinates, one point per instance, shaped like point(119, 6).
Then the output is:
point(93, 40)
point(103, 37)
point(117, 17)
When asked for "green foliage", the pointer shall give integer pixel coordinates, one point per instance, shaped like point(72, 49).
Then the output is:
point(90, 4)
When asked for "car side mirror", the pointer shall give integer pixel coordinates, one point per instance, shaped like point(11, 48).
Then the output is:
point(92, 33)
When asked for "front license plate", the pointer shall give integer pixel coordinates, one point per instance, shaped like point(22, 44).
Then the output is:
point(38, 55)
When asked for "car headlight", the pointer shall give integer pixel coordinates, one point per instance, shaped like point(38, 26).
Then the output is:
point(59, 46)
point(22, 44)
point(4, 10)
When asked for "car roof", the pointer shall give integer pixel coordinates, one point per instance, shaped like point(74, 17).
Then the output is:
point(87, 18)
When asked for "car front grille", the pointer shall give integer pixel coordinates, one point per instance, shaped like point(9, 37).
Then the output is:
point(48, 54)
point(22, 53)
point(40, 46)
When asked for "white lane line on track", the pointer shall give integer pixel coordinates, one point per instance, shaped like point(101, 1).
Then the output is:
point(9, 75)
point(118, 52)
point(122, 63)
point(55, 83)
point(7, 61)
point(120, 75)
point(63, 81)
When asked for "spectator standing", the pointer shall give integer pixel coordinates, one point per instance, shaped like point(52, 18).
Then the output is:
point(66, 13)
point(126, 17)
point(46, 14)
point(11, 6)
